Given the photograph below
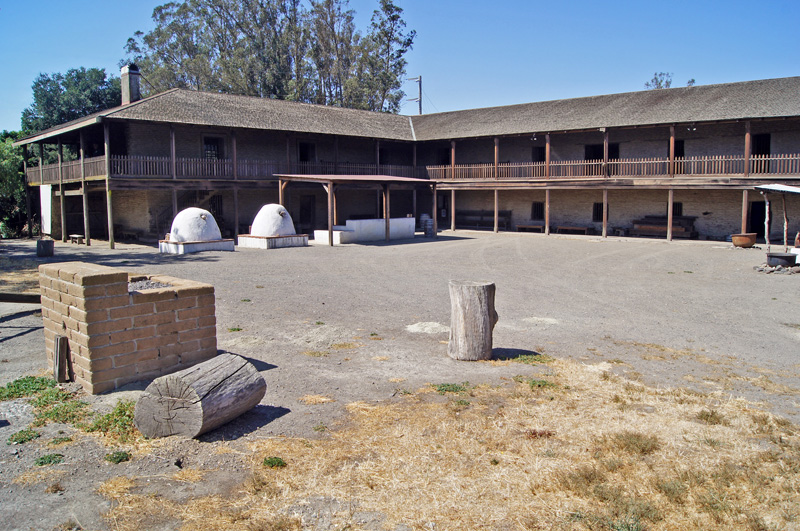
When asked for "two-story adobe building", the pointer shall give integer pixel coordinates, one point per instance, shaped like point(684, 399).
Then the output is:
point(676, 162)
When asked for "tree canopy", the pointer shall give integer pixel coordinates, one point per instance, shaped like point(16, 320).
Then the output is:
point(662, 80)
point(59, 98)
point(309, 51)
point(13, 209)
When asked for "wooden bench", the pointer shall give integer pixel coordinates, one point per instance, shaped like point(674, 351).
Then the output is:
point(530, 228)
point(76, 238)
point(477, 219)
point(682, 226)
point(564, 229)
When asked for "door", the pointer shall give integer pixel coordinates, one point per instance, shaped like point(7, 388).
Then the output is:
point(755, 221)
point(308, 210)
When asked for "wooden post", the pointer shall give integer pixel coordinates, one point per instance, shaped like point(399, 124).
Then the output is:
point(496, 157)
point(453, 159)
point(605, 212)
point(414, 160)
point(605, 152)
point(669, 214)
point(109, 207)
point(414, 203)
point(281, 185)
point(472, 320)
point(198, 399)
point(452, 209)
point(547, 156)
point(61, 191)
point(496, 210)
point(173, 169)
point(672, 151)
point(60, 363)
point(547, 212)
point(387, 212)
point(329, 189)
point(766, 220)
point(84, 192)
point(27, 190)
point(435, 213)
point(745, 204)
point(235, 157)
point(335, 206)
point(785, 225)
point(41, 164)
point(747, 148)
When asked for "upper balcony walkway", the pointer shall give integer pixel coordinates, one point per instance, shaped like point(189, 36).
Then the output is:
point(185, 169)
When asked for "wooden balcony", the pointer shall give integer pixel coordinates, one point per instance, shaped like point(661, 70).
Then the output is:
point(186, 169)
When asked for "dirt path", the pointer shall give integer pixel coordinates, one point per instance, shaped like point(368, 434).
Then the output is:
point(367, 322)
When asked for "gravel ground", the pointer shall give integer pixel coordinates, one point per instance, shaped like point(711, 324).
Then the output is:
point(364, 322)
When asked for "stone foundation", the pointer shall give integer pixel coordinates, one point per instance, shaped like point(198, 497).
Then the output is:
point(117, 337)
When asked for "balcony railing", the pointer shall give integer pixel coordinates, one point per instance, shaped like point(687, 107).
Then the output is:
point(255, 169)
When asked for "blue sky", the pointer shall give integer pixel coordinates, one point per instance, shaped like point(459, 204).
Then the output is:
point(470, 54)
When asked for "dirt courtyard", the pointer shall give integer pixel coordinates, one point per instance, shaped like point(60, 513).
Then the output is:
point(366, 323)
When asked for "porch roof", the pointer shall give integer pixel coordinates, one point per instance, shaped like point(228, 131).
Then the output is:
point(779, 188)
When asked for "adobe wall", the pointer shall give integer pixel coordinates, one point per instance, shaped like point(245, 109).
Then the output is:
point(117, 337)
point(718, 212)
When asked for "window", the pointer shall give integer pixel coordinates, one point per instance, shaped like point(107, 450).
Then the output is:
point(677, 209)
point(212, 148)
point(306, 152)
point(538, 154)
point(443, 157)
point(760, 150)
point(537, 211)
point(597, 213)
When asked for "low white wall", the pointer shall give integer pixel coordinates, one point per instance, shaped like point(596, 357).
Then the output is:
point(368, 230)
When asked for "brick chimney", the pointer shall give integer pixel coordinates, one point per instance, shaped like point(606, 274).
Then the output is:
point(129, 79)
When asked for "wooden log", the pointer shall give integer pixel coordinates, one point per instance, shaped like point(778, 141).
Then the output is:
point(472, 320)
point(198, 399)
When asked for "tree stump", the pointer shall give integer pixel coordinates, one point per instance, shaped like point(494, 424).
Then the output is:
point(198, 399)
point(472, 319)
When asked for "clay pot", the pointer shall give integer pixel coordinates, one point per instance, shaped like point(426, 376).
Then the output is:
point(747, 239)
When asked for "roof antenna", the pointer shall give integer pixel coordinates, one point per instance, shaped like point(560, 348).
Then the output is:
point(419, 99)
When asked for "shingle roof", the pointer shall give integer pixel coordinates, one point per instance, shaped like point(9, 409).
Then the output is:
point(731, 101)
point(766, 98)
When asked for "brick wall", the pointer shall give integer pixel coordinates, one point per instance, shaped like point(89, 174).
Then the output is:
point(117, 337)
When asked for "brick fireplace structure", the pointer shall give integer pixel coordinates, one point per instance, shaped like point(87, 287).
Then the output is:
point(116, 336)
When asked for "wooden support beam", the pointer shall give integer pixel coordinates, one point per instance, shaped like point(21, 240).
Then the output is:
point(672, 151)
point(547, 208)
point(605, 152)
point(670, 203)
point(387, 211)
point(27, 190)
point(747, 148)
point(435, 213)
point(281, 194)
point(452, 210)
point(496, 156)
point(329, 189)
point(109, 206)
point(173, 169)
point(335, 206)
point(84, 193)
point(497, 210)
point(745, 205)
point(547, 156)
point(41, 163)
point(452, 159)
point(605, 212)
point(61, 191)
point(414, 204)
point(236, 214)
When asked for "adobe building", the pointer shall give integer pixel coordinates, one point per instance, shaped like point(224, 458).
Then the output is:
point(620, 164)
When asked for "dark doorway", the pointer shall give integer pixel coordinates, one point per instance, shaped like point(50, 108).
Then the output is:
point(755, 221)
point(307, 152)
point(308, 217)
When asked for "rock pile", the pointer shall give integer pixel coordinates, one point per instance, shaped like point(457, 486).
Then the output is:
point(782, 270)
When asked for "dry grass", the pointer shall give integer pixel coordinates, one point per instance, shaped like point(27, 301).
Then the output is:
point(313, 400)
point(526, 457)
point(189, 475)
point(39, 475)
point(345, 346)
point(380, 358)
